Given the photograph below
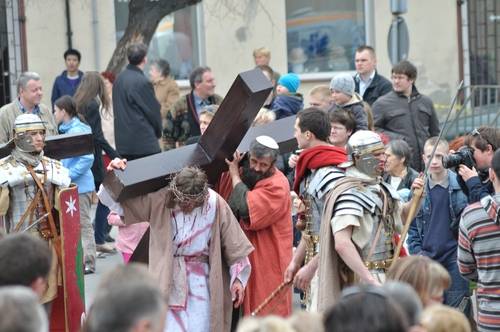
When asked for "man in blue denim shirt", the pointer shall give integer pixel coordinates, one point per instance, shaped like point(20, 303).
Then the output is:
point(433, 233)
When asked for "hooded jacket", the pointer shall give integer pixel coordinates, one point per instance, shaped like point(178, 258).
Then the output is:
point(287, 105)
point(356, 108)
point(79, 167)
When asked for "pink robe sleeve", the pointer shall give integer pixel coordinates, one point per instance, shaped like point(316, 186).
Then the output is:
point(241, 271)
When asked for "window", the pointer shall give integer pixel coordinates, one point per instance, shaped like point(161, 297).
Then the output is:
point(322, 35)
point(175, 40)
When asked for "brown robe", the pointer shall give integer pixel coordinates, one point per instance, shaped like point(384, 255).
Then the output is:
point(228, 244)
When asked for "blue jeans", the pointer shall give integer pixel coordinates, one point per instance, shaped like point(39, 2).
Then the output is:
point(459, 287)
point(101, 223)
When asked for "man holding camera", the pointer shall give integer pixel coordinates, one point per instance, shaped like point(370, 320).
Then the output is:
point(478, 253)
point(433, 232)
point(473, 179)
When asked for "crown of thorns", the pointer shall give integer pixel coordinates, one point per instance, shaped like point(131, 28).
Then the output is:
point(184, 197)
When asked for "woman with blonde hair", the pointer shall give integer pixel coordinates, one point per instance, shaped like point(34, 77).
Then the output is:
point(441, 318)
point(427, 277)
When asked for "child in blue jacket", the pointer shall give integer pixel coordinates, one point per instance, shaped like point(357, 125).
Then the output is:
point(79, 170)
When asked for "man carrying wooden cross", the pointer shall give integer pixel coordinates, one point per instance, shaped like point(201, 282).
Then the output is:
point(259, 195)
point(197, 251)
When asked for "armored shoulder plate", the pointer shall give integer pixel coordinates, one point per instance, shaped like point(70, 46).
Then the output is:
point(393, 192)
point(56, 173)
point(323, 180)
point(358, 202)
point(13, 173)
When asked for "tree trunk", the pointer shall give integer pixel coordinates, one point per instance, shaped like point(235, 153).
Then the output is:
point(144, 16)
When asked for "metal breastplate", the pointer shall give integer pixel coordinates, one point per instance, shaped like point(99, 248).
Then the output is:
point(316, 186)
point(368, 202)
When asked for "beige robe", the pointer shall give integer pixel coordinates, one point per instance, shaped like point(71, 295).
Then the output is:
point(333, 273)
point(228, 244)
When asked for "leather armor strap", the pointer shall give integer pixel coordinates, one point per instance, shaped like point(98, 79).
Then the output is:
point(29, 211)
point(48, 208)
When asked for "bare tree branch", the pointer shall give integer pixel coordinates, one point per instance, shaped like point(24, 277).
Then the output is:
point(144, 16)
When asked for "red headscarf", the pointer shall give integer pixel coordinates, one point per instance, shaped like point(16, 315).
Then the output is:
point(317, 157)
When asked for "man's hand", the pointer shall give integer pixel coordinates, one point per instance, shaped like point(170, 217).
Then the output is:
point(237, 293)
point(298, 205)
point(466, 173)
point(418, 183)
point(290, 271)
point(292, 161)
point(234, 167)
point(117, 163)
point(303, 278)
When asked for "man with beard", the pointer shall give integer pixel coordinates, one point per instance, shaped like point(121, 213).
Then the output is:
point(259, 195)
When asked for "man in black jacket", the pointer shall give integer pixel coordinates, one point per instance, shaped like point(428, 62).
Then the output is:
point(136, 110)
point(369, 84)
point(405, 113)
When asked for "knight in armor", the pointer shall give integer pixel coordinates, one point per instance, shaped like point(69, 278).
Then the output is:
point(360, 217)
point(316, 174)
point(29, 182)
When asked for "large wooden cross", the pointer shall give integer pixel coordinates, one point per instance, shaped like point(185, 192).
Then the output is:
point(226, 133)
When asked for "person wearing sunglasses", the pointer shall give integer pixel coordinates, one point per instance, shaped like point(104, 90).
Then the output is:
point(483, 141)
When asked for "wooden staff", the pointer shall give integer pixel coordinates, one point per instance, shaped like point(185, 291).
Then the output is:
point(418, 194)
point(273, 294)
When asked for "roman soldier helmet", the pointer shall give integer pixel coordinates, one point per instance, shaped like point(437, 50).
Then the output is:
point(360, 148)
point(22, 125)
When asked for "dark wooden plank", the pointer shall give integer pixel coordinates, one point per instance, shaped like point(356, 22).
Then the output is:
point(60, 146)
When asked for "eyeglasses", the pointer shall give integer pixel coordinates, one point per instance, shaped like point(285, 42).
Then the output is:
point(476, 133)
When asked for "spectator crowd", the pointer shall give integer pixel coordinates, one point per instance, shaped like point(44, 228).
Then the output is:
point(375, 222)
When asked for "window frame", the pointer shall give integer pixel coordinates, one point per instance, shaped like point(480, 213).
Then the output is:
point(369, 21)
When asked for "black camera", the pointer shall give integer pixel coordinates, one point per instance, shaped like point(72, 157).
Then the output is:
point(464, 156)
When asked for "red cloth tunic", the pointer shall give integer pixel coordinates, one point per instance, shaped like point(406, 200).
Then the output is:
point(270, 231)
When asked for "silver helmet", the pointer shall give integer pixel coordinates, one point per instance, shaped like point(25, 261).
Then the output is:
point(22, 125)
point(360, 152)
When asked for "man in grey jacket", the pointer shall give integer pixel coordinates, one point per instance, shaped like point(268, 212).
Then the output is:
point(405, 113)
point(137, 112)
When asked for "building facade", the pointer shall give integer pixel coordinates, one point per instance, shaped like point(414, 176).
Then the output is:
point(449, 40)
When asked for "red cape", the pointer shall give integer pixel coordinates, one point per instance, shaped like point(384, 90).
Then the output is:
point(317, 157)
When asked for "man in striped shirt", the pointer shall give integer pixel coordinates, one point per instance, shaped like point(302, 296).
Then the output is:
point(479, 253)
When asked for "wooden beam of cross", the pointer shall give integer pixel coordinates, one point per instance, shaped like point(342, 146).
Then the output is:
point(60, 146)
point(230, 123)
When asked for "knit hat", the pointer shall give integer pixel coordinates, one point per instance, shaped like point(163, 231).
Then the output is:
point(290, 81)
point(343, 83)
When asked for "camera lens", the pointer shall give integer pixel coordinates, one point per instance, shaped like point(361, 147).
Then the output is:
point(453, 160)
